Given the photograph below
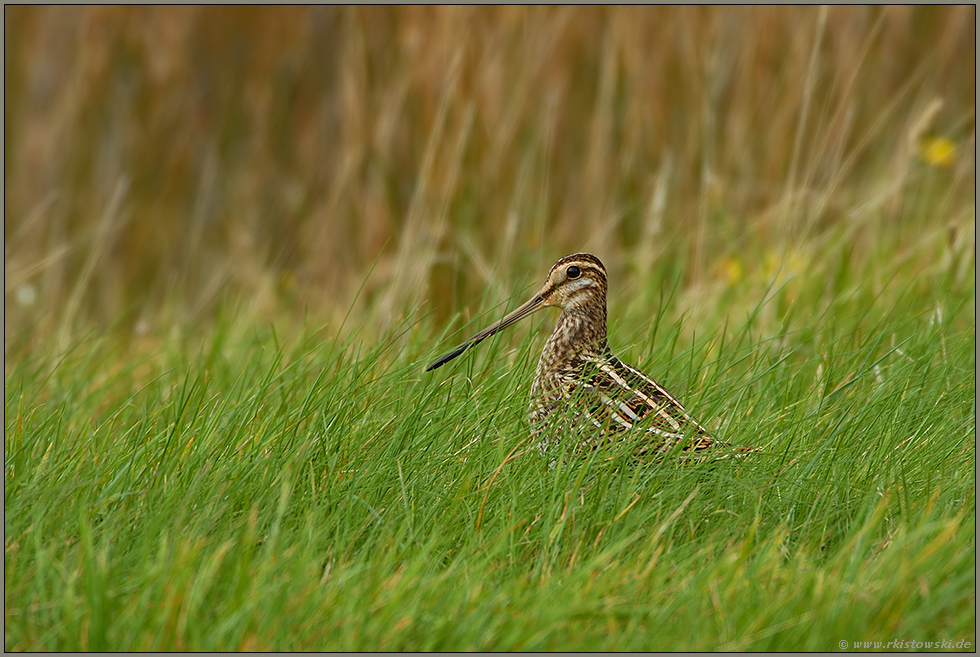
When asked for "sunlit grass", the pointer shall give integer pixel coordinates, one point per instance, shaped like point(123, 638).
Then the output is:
point(245, 491)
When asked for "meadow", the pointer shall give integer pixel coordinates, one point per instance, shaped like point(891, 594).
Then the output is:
point(235, 237)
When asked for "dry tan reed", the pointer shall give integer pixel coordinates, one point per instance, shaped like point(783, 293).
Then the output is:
point(159, 161)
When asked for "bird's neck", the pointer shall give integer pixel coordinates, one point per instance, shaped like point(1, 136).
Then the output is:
point(579, 336)
point(580, 330)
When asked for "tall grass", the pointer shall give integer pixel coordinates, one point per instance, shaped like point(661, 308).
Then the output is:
point(235, 236)
point(165, 160)
point(237, 492)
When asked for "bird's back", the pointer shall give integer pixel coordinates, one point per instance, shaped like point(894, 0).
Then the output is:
point(597, 398)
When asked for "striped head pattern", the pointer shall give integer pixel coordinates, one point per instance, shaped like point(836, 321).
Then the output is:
point(576, 284)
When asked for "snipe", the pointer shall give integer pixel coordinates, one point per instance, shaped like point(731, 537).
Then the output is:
point(581, 390)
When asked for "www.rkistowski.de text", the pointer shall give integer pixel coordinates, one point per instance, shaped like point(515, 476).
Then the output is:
point(899, 644)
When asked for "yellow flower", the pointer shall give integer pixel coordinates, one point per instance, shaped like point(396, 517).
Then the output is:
point(938, 151)
point(731, 269)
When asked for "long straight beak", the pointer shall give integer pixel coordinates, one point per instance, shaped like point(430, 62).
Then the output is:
point(515, 316)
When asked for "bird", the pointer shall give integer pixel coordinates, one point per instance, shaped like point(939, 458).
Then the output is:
point(580, 389)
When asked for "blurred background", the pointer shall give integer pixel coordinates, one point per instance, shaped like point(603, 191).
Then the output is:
point(164, 164)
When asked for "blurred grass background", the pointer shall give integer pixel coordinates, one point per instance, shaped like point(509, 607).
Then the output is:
point(163, 163)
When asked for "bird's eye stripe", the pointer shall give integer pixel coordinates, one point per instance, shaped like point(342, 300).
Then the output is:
point(596, 273)
point(579, 285)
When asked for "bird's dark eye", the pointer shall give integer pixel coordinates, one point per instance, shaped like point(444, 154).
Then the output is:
point(573, 272)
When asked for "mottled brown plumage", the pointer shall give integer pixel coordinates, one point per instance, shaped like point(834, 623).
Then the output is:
point(581, 391)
